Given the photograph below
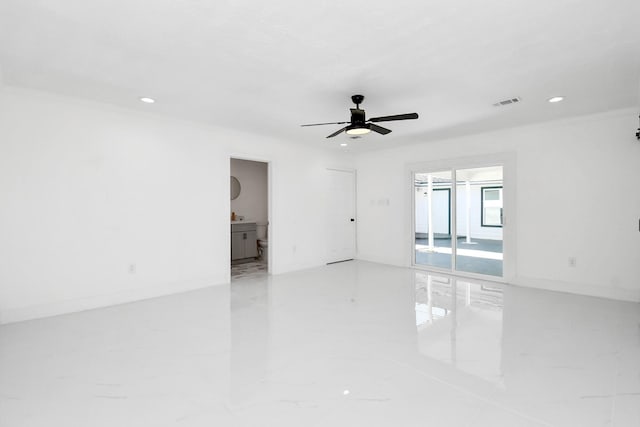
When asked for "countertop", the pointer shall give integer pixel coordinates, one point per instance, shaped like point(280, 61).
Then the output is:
point(244, 221)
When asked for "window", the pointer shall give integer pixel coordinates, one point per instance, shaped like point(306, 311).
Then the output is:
point(491, 207)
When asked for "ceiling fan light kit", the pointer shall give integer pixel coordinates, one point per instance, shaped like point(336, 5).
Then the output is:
point(357, 130)
point(359, 125)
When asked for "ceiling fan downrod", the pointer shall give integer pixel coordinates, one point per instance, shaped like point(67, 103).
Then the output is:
point(357, 99)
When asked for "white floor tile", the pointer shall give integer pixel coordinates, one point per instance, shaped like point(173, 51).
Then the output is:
point(347, 344)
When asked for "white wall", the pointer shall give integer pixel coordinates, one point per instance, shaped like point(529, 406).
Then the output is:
point(87, 190)
point(253, 199)
point(577, 196)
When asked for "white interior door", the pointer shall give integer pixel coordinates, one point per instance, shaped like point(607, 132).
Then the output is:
point(341, 215)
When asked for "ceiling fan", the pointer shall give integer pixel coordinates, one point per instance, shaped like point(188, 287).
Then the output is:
point(359, 125)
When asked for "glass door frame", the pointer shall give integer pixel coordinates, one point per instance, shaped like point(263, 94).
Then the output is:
point(508, 163)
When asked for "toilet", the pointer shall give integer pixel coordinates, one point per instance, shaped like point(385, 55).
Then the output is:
point(263, 243)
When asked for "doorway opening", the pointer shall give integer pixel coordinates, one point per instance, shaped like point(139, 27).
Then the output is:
point(459, 220)
point(249, 189)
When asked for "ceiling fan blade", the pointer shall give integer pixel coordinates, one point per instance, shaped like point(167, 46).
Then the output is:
point(408, 116)
point(322, 124)
point(379, 129)
point(337, 132)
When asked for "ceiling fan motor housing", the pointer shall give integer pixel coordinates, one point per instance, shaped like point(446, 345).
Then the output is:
point(357, 116)
point(358, 121)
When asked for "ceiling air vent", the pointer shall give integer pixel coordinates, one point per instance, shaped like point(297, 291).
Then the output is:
point(507, 102)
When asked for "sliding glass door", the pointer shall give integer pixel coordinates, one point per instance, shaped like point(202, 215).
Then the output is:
point(433, 219)
point(459, 220)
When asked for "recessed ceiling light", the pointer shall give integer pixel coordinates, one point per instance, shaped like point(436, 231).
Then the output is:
point(147, 100)
point(344, 144)
point(556, 99)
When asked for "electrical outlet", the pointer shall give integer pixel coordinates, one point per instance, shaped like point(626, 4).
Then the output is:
point(572, 261)
point(132, 269)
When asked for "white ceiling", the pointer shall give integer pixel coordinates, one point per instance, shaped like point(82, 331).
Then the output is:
point(268, 67)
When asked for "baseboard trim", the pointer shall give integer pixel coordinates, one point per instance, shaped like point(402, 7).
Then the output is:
point(619, 294)
point(56, 308)
point(382, 261)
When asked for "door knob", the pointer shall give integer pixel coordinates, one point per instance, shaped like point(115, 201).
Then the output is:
point(352, 220)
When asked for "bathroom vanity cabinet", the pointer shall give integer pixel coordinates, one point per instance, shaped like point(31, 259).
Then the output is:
point(244, 240)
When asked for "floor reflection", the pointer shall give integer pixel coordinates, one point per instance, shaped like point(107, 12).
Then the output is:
point(460, 323)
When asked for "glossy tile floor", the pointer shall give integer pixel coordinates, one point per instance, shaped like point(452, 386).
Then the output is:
point(350, 344)
point(249, 270)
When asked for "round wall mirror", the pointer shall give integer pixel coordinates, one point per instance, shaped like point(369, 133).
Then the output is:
point(235, 188)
